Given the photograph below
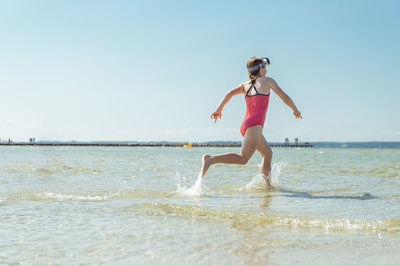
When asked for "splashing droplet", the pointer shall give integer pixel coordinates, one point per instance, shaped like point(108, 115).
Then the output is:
point(195, 190)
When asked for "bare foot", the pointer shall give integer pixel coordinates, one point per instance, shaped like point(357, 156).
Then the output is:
point(206, 164)
point(267, 180)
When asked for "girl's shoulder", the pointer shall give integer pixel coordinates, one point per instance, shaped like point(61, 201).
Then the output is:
point(267, 79)
point(268, 82)
point(246, 84)
point(258, 82)
point(261, 81)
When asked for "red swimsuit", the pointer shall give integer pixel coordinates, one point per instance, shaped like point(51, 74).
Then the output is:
point(256, 109)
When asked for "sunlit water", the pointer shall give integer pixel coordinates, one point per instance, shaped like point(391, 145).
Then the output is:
point(106, 205)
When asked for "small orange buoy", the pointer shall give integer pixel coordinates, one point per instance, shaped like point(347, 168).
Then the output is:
point(187, 145)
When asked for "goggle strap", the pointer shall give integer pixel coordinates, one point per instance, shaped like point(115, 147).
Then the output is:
point(266, 62)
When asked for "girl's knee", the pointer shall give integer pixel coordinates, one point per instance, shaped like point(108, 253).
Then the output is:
point(244, 159)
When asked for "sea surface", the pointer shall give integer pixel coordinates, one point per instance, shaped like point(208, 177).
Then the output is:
point(146, 206)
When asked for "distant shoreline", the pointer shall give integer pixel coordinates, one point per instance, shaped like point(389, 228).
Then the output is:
point(320, 144)
point(289, 145)
point(371, 144)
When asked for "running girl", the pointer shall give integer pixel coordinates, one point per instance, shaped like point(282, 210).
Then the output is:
point(256, 91)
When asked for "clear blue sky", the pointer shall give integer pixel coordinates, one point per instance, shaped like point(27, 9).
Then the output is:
point(155, 70)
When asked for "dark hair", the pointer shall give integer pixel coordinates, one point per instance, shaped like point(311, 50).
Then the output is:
point(254, 61)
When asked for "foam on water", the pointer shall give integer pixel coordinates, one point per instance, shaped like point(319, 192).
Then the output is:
point(62, 197)
point(50, 196)
point(129, 193)
point(251, 220)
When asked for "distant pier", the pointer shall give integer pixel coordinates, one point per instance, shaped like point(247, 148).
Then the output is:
point(283, 145)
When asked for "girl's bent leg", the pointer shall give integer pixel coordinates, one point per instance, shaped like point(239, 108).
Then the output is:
point(250, 143)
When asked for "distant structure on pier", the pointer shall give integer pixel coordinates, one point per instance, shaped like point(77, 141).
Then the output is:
point(296, 143)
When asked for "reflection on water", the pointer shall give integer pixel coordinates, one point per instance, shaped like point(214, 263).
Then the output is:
point(300, 194)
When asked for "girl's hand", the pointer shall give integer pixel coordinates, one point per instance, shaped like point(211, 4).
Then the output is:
point(297, 114)
point(215, 116)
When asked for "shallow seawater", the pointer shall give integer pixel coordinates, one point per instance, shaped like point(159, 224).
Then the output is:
point(142, 205)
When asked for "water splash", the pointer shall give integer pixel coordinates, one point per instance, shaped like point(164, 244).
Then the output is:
point(275, 172)
point(258, 181)
point(194, 190)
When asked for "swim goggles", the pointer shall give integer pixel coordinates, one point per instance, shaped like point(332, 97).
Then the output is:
point(265, 62)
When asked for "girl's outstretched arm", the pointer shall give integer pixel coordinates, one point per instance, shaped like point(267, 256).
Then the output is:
point(235, 91)
point(285, 98)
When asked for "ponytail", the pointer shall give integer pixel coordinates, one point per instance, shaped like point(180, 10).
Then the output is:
point(253, 61)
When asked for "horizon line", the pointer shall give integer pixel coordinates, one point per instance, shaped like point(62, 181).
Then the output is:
point(185, 141)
